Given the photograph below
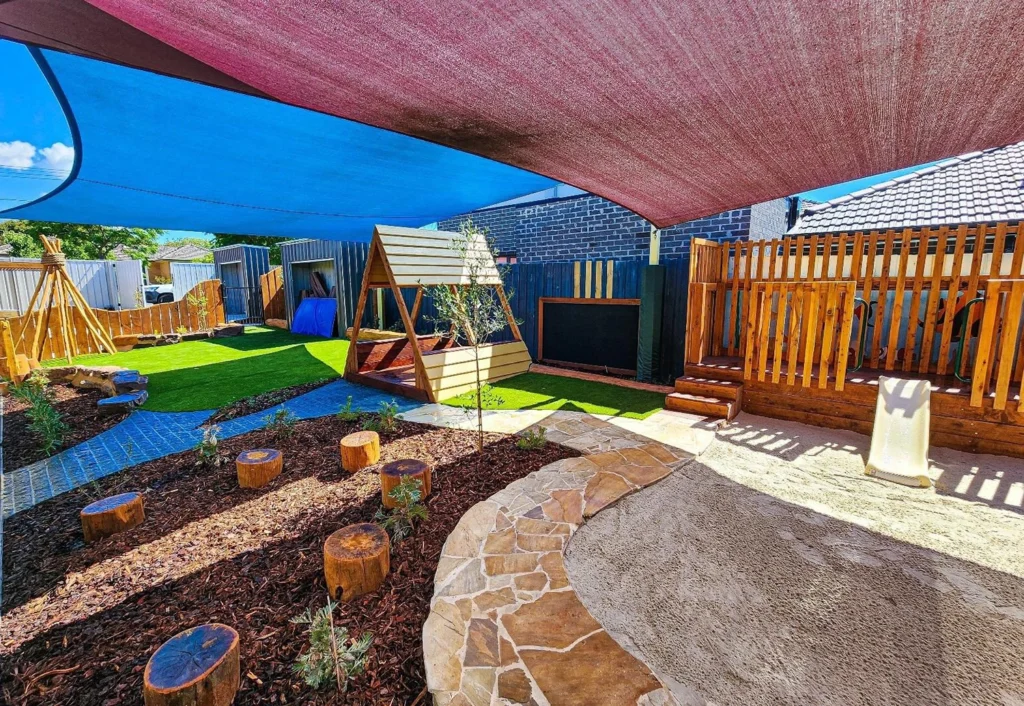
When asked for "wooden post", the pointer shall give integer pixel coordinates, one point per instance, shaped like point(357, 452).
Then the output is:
point(391, 474)
point(356, 560)
point(258, 467)
point(197, 667)
point(359, 450)
point(111, 515)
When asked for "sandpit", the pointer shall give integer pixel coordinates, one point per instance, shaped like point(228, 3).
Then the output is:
point(770, 570)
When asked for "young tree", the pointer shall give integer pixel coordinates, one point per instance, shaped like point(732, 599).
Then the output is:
point(472, 310)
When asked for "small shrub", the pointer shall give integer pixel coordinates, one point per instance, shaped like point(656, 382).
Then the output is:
point(182, 330)
point(408, 510)
point(44, 419)
point(331, 655)
point(386, 420)
point(198, 300)
point(346, 413)
point(531, 440)
point(281, 423)
point(208, 449)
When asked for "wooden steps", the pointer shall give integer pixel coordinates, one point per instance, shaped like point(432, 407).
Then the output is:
point(706, 397)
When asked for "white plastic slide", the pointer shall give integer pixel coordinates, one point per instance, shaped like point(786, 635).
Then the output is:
point(899, 441)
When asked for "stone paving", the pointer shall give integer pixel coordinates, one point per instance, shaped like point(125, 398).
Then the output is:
point(505, 626)
point(145, 436)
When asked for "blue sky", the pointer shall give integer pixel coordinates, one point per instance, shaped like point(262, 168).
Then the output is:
point(36, 151)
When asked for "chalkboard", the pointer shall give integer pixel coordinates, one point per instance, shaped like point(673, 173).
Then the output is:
point(595, 334)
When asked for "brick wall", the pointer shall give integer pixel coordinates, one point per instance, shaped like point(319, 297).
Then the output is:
point(583, 227)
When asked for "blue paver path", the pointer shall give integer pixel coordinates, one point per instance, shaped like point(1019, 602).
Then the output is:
point(144, 436)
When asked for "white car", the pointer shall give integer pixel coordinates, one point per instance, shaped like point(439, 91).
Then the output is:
point(158, 293)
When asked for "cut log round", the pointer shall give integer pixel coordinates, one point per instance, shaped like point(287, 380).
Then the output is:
point(197, 667)
point(360, 450)
point(391, 474)
point(111, 515)
point(356, 560)
point(258, 467)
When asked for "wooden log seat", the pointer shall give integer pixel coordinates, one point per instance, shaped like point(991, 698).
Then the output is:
point(356, 560)
point(359, 450)
point(258, 467)
point(111, 515)
point(197, 667)
point(391, 474)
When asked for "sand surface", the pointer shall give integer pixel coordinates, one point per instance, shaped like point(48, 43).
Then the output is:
point(770, 570)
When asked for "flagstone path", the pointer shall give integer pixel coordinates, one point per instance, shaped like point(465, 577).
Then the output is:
point(145, 436)
point(505, 625)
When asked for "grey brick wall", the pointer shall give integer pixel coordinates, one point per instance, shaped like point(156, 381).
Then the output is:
point(583, 227)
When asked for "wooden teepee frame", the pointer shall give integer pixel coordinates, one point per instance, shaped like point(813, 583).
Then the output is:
point(56, 290)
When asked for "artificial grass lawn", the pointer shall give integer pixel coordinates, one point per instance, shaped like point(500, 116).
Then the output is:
point(538, 391)
point(215, 372)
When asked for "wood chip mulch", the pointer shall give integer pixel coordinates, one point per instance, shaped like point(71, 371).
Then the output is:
point(77, 406)
point(266, 400)
point(80, 622)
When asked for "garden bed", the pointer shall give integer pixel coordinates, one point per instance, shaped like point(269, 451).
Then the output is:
point(76, 406)
point(262, 401)
point(81, 622)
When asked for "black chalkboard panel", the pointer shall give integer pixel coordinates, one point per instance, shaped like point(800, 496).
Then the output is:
point(595, 334)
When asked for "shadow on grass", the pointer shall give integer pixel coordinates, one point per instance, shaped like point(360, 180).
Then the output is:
point(219, 384)
point(539, 391)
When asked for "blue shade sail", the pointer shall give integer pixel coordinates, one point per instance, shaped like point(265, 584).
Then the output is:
point(160, 152)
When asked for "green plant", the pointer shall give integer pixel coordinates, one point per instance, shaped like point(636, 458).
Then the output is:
point(331, 654)
point(386, 420)
point(208, 448)
point(44, 419)
point(281, 423)
point(531, 440)
point(197, 298)
point(346, 413)
point(408, 510)
point(475, 307)
point(182, 330)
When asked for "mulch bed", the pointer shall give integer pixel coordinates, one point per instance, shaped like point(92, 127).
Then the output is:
point(77, 406)
point(258, 403)
point(80, 622)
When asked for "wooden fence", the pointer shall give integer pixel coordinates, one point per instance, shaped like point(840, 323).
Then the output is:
point(187, 314)
point(272, 289)
point(916, 286)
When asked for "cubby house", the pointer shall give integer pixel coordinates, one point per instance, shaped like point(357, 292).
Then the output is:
point(428, 367)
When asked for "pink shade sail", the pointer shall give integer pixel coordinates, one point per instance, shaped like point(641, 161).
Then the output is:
point(673, 108)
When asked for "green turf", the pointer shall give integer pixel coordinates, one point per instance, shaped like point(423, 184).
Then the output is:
point(215, 372)
point(537, 391)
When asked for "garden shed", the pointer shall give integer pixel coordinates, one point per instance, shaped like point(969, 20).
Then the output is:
point(429, 367)
point(337, 266)
point(239, 268)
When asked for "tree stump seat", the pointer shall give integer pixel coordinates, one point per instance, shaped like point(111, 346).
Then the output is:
point(359, 450)
point(111, 515)
point(356, 560)
point(257, 467)
point(196, 667)
point(391, 474)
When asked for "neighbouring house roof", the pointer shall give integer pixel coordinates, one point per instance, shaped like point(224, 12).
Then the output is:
point(179, 253)
point(978, 187)
point(6, 248)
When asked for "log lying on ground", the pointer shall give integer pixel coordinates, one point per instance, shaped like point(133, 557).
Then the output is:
point(356, 560)
point(360, 450)
point(258, 467)
point(197, 667)
point(391, 474)
point(111, 515)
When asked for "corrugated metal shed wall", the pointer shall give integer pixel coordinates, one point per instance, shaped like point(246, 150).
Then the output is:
point(186, 275)
point(342, 264)
point(105, 284)
point(244, 298)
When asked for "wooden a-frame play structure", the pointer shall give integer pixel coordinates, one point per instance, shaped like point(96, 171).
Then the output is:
point(428, 367)
point(57, 296)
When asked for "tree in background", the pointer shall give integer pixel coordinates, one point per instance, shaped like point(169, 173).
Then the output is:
point(222, 239)
point(80, 242)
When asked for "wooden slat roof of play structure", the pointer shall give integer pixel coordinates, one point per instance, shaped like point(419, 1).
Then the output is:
point(429, 257)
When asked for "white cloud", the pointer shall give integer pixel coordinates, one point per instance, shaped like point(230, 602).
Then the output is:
point(18, 154)
point(59, 157)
